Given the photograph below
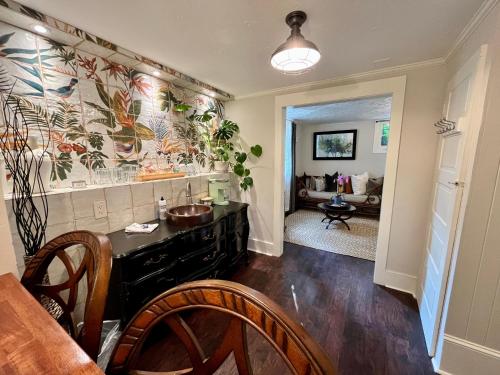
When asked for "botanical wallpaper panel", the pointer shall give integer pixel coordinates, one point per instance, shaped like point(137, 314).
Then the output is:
point(97, 113)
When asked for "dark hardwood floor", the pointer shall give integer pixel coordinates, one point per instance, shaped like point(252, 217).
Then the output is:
point(364, 328)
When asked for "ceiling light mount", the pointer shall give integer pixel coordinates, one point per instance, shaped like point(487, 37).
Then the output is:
point(295, 20)
point(297, 55)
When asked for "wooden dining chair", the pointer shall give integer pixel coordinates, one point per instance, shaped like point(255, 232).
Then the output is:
point(244, 305)
point(95, 265)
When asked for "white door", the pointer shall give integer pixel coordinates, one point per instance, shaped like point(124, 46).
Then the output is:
point(448, 187)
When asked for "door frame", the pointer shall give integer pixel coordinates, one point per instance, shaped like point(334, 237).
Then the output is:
point(478, 62)
point(395, 87)
point(291, 203)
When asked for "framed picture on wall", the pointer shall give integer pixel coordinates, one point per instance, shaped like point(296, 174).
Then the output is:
point(381, 137)
point(335, 145)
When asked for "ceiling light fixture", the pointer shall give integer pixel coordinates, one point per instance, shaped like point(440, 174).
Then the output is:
point(40, 29)
point(297, 55)
point(156, 73)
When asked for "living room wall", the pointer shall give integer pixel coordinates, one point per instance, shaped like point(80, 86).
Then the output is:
point(366, 160)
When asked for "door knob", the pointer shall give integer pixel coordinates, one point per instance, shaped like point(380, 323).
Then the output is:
point(456, 183)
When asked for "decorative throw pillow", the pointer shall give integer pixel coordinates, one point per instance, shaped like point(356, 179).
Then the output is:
point(319, 183)
point(359, 183)
point(374, 183)
point(331, 182)
point(307, 181)
point(348, 185)
point(312, 183)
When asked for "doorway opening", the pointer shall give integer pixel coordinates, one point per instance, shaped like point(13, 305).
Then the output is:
point(394, 87)
point(334, 166)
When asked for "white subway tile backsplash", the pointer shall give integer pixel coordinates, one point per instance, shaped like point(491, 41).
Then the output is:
point(118, 198)
point(11, 217)
point(119, 220)
point(92, 224)
point(142, 194)
point(162, 189)
point(60, 208)
point(204, 185)
point(195, 185)
point(83, 202)
point(179, 191)
point(53, 231)
point(144, 213)
point(18, 247)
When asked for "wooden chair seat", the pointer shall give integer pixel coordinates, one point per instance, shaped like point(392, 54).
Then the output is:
point(244, 305)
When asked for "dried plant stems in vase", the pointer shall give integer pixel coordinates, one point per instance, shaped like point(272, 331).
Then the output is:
point(24, 139)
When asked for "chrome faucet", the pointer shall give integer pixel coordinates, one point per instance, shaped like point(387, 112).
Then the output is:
point(189, 198)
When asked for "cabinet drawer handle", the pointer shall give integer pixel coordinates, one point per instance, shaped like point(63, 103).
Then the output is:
point(158, 259)
point(164, 279)
point(210, 257)
point(208, 237)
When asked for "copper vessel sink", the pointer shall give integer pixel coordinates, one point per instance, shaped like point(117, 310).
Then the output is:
point(190, 215)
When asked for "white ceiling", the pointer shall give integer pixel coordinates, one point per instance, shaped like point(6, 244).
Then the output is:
point(228, 43)
point(369, 109)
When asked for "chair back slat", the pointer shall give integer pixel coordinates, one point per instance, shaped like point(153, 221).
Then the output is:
point(95, 265)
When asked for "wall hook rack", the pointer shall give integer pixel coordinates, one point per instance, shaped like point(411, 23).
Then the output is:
point(444, 126)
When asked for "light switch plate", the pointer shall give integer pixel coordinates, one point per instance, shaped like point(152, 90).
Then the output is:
point(100, 209)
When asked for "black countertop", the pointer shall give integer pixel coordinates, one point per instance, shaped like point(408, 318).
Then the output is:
point(126, 243)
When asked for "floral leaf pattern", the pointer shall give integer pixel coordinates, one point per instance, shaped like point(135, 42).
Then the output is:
point(100, 113)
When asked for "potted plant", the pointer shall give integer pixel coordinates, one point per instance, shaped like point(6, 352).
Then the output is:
point(227, 149)
point(222, 143)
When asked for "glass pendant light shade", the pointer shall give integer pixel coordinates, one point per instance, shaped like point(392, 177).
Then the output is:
point(297, 55)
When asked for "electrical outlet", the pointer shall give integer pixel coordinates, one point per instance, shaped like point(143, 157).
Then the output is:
point(100, 209)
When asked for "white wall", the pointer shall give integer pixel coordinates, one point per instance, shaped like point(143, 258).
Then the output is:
point(423, 106)
point(471, 342)
point(365, 160)
point(256, 119)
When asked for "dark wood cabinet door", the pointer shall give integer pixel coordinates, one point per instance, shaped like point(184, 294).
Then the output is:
point(150, 260)
point(137, 294)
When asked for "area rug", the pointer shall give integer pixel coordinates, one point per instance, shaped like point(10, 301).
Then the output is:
point(304, 227)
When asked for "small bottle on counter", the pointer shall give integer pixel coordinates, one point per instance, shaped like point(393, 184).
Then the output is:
point(162, 208)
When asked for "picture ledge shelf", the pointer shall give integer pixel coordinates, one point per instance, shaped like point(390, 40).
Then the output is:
point(8, 196)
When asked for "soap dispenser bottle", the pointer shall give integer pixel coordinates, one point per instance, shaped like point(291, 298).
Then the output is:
point(162, 207)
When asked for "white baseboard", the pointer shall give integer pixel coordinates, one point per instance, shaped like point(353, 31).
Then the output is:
point(398, 281)
point(462, 357)
point(261, 247)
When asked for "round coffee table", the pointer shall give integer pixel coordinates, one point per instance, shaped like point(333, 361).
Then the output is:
point(336, 214)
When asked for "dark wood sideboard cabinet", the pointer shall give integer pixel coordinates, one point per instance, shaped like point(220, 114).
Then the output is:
point(145, 265)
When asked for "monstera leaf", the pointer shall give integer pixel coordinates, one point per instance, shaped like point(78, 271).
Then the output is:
point(226, 130)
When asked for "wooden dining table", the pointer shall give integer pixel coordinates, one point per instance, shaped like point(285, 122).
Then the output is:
point(31, 341)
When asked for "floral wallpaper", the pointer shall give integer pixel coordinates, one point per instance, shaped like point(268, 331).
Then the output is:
point(97, 113)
